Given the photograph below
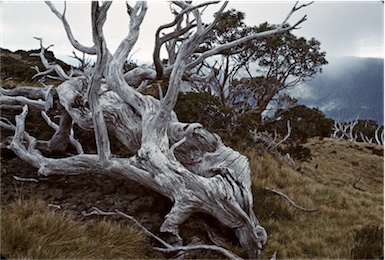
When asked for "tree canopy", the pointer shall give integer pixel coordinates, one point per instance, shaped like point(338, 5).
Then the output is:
point(252, 75)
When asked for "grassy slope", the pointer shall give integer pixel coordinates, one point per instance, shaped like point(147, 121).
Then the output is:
point(345, 213)
point(29, 229)
point(326, 182)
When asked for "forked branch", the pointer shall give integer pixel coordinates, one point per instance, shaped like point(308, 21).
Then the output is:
point(49, 66)
point(70, 36)
point(242, 40)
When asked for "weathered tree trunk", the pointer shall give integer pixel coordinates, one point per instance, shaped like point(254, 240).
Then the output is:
point(184, 162)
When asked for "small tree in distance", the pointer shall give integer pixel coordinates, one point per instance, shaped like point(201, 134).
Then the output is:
point(251, 76)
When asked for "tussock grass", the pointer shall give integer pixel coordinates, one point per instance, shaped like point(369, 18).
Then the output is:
point(348, 224)
point(349, 218)
point(30, 229)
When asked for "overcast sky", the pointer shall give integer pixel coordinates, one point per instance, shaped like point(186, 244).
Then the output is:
point(343, 28)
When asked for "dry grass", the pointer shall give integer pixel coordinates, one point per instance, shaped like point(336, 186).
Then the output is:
point(30, 229)
point(349, 223)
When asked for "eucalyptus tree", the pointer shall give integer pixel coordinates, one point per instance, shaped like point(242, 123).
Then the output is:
point(252, 75)
point(184, 162)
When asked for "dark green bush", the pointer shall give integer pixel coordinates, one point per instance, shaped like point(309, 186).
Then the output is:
point(367, 128)
point(297, 151)
point(305, 122)
point(205, 109)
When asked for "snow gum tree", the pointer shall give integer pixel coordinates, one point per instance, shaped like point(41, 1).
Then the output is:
point(184, 162)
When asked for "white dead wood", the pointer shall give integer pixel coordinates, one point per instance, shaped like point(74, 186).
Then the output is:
point(70, 36)
point(366, 139)
point(49, 66)
point(25, 179)
point(289, 200)
point(55, 206)
point(345, 130)
point(184, 162)
point(167, 247)
point(379, 135)
point(270, 142)
point(54, 126)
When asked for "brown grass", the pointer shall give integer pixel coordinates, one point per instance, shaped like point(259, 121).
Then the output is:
point(30, 229)
point(349, 223)
point(326, 182)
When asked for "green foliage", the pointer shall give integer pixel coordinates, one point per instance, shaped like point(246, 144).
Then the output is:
point(12, 68)
point(367, 128)
point(243, 124)
point(205, 109)
point(297, 151)
point(305, 122)
point(283, 61)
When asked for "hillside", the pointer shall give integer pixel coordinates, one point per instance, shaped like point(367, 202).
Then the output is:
point(46, 218)
point(16, 67)
point(344, 181)
point(348, 87)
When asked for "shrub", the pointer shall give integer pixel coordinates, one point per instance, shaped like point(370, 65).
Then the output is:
point(297, 152)
point(205, 109)
point(305, 122)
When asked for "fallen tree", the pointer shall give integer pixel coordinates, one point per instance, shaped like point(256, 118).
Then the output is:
point(184, 162)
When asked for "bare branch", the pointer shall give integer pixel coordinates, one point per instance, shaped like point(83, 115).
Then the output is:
point(5, 123)
point(159, 41)
point(293, 10)
point(168, 248)
point(289, 200)
point(114, 74)
point(21, 101)
point(355, 182)
point(50, 67)
point(25, 179)
point(287, 135)
point(73, 41)
point(234, 43)
point(379, 136)
point(344, 130)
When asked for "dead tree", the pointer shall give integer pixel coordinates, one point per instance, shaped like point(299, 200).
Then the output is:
point(184, 162)
point(378, 137)
point(343, 131)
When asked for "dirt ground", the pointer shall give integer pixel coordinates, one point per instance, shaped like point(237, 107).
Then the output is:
point(77, 194)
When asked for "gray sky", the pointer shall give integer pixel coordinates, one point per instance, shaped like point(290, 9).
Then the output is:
point(343, 28)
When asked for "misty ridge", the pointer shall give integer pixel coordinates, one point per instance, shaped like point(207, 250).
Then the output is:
point(348, 88)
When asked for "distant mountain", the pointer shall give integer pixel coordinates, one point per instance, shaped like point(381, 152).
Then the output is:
point(349, 87)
